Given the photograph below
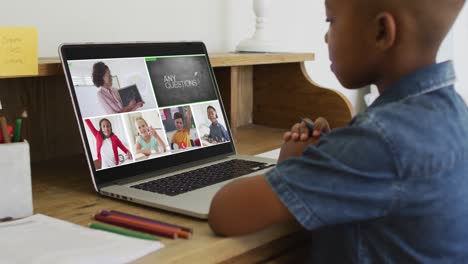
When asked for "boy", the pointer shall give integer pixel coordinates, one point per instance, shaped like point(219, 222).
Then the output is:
point(182, 136)
point(217, 131)
point(391, 187)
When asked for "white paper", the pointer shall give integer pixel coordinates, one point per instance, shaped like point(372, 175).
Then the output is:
point(42, 239)
point(273, 154)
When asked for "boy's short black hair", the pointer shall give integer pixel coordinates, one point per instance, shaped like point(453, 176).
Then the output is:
point(212, 108)
point(99, 69)
point(178, 115)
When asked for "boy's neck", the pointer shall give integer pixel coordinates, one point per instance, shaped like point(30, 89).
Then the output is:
point(400, 66)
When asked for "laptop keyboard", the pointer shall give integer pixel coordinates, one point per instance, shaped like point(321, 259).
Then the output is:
point(199, 178)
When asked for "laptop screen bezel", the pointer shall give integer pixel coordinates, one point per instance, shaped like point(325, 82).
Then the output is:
point(101, 178)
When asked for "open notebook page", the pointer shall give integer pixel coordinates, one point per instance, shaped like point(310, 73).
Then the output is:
point(43, 239)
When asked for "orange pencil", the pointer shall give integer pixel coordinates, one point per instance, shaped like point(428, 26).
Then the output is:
point(178, 231)
point(136, 217)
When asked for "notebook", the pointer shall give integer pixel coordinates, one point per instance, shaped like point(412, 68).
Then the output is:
point(172, 151)
point(43, 239)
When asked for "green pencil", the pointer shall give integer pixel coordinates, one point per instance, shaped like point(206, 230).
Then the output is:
point(121, 231)
point(17, 133)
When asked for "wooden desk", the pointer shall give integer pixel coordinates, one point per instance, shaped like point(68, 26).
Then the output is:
point(264, 94)
point(63, 189)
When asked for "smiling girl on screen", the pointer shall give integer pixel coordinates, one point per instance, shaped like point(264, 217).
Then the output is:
point(148, 141)
point(108, 96)
point(107, 143)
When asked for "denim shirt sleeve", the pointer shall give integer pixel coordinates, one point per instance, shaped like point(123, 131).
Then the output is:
point(349, 175)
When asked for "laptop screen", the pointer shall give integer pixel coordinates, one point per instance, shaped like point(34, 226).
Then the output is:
point(145, 107)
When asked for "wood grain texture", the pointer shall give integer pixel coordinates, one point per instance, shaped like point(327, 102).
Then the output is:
point(51, 127)
point(283, 93)
point(241, 95)
point(53, 67)
point(63, 189)
point(244, 59)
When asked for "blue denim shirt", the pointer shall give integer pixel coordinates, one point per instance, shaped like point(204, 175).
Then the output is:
point(392, 186)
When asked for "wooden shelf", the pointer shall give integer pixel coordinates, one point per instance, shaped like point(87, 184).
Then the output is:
point(53, 67)
point(246, 59)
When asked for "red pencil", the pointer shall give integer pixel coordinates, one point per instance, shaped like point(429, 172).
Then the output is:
point(113, 212)
point(118, 222)
point(150, 226)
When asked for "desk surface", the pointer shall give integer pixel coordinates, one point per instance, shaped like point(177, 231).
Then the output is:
point(63, 189)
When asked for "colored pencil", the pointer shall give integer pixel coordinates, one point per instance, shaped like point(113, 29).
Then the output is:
point(179, 232)
point(4, 127)
point(24, 115)
point(17, 133)
point(145, 229)
point(150, 226)
point(121, 231)
point(187, 229)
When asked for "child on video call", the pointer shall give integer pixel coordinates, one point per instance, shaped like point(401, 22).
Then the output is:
point(107, 143)
point(391, 186)
point(182, 135)
point(108, 96)
point(148, 141)
point(217, 132)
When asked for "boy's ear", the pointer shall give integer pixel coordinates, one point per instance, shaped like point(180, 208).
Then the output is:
point(385, 34)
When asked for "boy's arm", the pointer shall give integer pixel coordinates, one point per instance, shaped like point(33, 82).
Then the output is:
point(249, 204)
point(246, 205)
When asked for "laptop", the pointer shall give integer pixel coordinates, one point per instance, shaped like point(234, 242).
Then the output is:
point(170, 151)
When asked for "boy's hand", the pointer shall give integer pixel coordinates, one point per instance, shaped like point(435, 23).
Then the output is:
point(301, 132)
point(292, 149)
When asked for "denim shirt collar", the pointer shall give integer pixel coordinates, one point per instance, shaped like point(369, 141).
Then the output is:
point(422, 81)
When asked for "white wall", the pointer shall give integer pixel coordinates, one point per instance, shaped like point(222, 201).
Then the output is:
point(298, 24)
point(117, 20)
point(459, 52)
point(454, 48)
